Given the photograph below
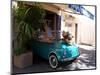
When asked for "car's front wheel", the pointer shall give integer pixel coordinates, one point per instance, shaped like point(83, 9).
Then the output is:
point(53, 61)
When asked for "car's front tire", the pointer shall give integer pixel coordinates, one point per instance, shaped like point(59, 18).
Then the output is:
point(53, 61)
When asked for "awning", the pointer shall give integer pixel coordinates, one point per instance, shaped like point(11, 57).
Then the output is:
point(81, 10)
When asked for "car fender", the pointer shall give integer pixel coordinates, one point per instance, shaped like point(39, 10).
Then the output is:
point(57, 55)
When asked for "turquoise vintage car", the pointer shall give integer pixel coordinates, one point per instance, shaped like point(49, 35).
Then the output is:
point(56, 51)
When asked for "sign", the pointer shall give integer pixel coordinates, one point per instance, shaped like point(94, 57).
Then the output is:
point(81, 10)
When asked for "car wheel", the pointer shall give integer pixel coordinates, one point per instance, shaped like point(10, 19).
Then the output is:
point(53, 61)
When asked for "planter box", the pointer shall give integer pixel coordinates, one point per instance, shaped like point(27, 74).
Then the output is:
point(23, 60)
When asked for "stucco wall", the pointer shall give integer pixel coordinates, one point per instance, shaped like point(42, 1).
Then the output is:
point(86, 30)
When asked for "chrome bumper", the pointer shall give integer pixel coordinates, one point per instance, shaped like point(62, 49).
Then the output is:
point(68, 59)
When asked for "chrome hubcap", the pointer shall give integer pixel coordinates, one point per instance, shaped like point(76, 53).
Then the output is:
point(53, 61)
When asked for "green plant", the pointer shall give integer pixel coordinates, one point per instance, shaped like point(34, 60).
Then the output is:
point(27, 21)
point(19, 51)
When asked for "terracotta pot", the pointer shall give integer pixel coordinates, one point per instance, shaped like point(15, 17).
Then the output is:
point(23, 60)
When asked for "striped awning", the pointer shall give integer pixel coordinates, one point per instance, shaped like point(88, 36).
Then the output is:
point(81, 10)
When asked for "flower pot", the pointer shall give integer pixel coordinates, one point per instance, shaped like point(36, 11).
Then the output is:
point(23, 60)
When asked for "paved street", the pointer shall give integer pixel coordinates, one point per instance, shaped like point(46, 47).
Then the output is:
point(86, 60)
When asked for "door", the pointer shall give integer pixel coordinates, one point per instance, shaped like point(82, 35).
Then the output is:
point(76, 27)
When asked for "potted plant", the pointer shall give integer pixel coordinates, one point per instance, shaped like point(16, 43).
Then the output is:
point(27, 21)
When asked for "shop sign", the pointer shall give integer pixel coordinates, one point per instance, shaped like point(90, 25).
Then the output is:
point(81, 10)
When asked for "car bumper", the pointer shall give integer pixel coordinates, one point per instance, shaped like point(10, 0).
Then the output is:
point(69, 59)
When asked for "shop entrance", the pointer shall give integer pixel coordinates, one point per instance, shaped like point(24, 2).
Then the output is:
point(51, 26)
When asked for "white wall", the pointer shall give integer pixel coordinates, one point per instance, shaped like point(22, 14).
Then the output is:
point(86, 30)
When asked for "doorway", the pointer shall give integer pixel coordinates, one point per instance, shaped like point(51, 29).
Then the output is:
point(76, 29)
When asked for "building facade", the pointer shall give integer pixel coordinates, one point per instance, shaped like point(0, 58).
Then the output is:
point(73, 18)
